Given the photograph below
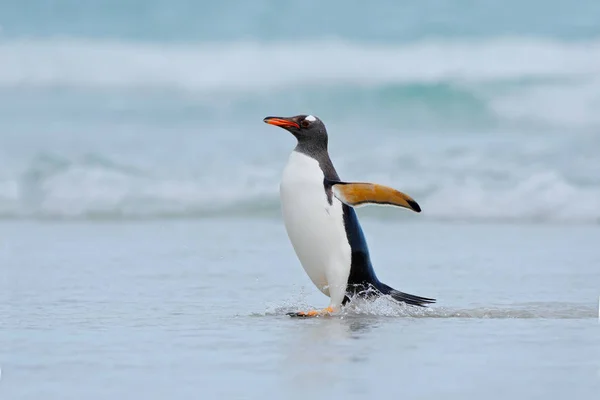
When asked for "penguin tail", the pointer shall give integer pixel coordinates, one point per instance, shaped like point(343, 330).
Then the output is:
point(405, 297)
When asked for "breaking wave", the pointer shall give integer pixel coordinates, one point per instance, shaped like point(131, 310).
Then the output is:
point(528, 80)
point(68, 96)
point(463, 188)
point(262, 66)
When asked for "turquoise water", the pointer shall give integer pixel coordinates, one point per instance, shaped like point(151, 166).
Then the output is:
point(481, 110)
point(141, 246)
point(270, 20)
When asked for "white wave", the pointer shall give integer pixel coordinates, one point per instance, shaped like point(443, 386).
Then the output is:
point(543, 197)
point(82, 189)
point(568, 104)
point(261, 66)
point(461, 189)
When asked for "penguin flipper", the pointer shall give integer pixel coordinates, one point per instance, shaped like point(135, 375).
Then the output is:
point(356, 194)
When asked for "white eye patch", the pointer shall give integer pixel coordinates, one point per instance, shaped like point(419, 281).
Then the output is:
point(310, 118)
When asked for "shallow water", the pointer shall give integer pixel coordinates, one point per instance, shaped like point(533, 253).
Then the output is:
point(181, 309)
point(141, 250)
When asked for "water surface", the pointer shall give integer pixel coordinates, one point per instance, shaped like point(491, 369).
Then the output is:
point(165, 309)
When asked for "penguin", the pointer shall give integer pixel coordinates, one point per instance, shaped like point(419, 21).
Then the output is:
point(322, 225)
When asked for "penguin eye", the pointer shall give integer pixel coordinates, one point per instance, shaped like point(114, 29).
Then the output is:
point(305, 123)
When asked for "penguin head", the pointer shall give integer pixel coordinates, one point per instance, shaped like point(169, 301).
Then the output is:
point(308, 129)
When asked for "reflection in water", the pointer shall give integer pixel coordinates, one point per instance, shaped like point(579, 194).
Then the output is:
point(358, 326)
point(317, 349)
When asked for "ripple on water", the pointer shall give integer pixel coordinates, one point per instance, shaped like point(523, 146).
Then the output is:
point(387, 307)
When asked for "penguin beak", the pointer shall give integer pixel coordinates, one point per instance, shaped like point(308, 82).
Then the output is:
point(282, 122)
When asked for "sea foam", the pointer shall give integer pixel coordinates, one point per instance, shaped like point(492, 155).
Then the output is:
point(263, 66)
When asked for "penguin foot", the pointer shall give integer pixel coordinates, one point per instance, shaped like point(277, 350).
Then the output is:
point(312, 313)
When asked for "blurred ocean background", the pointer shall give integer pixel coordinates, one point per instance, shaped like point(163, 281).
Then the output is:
point(142, 252)
point(482, 110)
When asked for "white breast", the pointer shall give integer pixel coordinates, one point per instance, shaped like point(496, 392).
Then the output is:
point(315, 228)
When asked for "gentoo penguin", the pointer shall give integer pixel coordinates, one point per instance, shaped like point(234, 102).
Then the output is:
point(319, 217)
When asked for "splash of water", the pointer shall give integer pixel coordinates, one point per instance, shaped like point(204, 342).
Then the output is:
point(386, 307)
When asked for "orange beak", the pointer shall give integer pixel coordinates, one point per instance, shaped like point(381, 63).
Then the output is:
point(282, 122)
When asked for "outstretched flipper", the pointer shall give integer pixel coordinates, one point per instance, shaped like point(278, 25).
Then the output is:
point(359, 194)
point(362, 193)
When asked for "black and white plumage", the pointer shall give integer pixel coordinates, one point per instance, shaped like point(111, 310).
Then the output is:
point(321, 223)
